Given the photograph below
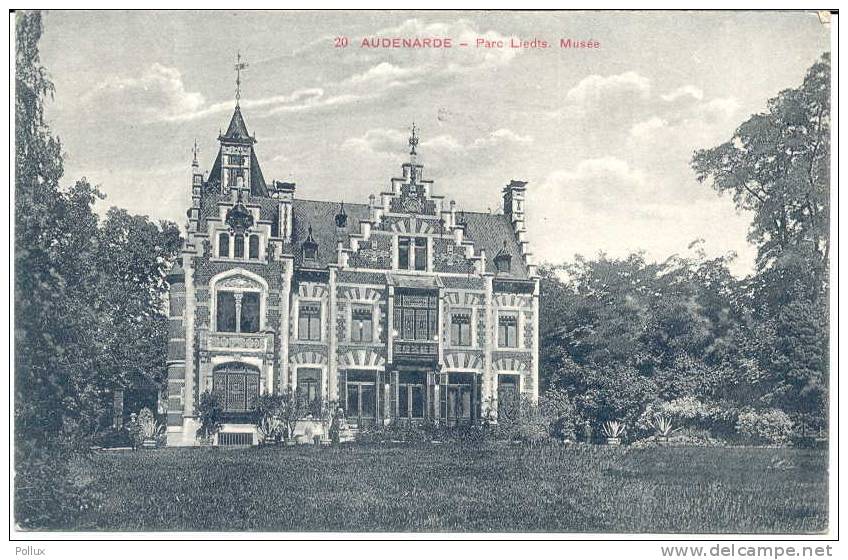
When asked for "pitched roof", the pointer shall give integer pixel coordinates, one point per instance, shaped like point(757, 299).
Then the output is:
point(237, 130)
point(321, 216)
point(488, 232)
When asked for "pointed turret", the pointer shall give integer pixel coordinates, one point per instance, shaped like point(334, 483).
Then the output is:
point(236, 166)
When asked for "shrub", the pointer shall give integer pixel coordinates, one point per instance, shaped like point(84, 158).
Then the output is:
point(210, 412)
point(560, 413)
point(267, 418)
point(53, 487)
point(718, 418)
point(114, 438)
point(765, 426)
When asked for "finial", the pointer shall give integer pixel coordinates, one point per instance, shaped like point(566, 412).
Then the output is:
point(194, 153)
point(239, 67)
point(413, 140)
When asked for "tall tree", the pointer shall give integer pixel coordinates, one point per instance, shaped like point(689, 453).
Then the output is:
point(88, 313)
point(777, 165)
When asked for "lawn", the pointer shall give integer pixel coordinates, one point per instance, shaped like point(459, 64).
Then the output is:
point(481, 488)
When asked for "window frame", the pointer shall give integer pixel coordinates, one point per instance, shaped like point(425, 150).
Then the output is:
point(310, 336)
point(356, 335)
point(458, 340)
point(224, 241)
point(252, 239)
point(413, 253)
point(504, 318)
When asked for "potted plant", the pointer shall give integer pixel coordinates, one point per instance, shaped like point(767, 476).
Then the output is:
point(210, 412)
point(268, 422)
point(663, 426)
point(613, 429)
point(150, 430)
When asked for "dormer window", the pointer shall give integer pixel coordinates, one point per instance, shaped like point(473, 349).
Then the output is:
point(503, 261)
point(310, 247)
point(341, 217)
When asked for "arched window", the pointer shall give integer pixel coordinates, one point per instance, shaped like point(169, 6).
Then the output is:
point(237, 311)
point(224, 245)
point(236, 386)
point(239, 246)
point(253, 249)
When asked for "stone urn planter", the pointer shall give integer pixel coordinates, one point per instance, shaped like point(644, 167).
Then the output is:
point(148, 443)
point(662, 440)
point(613, 441)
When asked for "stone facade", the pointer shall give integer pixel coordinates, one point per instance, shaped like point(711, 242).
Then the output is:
point(401, 309)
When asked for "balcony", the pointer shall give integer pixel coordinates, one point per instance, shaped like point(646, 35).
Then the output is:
point(418, 351)
point(252, 343)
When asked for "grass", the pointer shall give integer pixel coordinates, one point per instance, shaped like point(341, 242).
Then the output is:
point(479, 488)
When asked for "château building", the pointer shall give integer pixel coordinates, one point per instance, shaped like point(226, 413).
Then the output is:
point(397, 309)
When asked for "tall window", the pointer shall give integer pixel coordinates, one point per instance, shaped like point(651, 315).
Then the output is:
point(412, 253)
point(361, 329)
point(360, 394)
point(461, 328)
point(508, 330)
point(223, 244)
point(236, 160)
point(237, 312)
point(309, 384)
point(403, 253)
point(411, 395)
point(309, 321)
point(416, 316)
point(226, 312)
point(253, 248)
point(236, 387)
point(250, 312)
point(239, 246)
point(234, 175)
point(507, 396)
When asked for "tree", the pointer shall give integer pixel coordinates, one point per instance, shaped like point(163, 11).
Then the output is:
point(777, 165)
point(88, 314)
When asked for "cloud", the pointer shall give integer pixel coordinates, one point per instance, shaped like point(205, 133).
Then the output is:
point(608, 202)
point(160, 95)
point(645, 129)
point(597, 91)
point(383, 141)
point(684, 91)
point(157, 94)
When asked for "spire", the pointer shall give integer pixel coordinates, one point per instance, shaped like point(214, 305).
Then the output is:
point(194, 154)
point(237, 131)
point(239, 66)
point(413, 142)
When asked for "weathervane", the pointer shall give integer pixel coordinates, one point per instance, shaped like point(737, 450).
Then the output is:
point(239, 66)
point(413, 141)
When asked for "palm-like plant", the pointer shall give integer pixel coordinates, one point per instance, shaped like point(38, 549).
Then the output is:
point(663, 425)
point(269, 427)
point(613, 429)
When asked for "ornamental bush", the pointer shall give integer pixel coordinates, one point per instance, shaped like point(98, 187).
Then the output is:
point(765, 426)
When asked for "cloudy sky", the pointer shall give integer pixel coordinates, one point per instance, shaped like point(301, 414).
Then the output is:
point(603, 136)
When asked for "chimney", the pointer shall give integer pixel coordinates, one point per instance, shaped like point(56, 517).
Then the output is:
point(513, 203)
point(286, 198)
